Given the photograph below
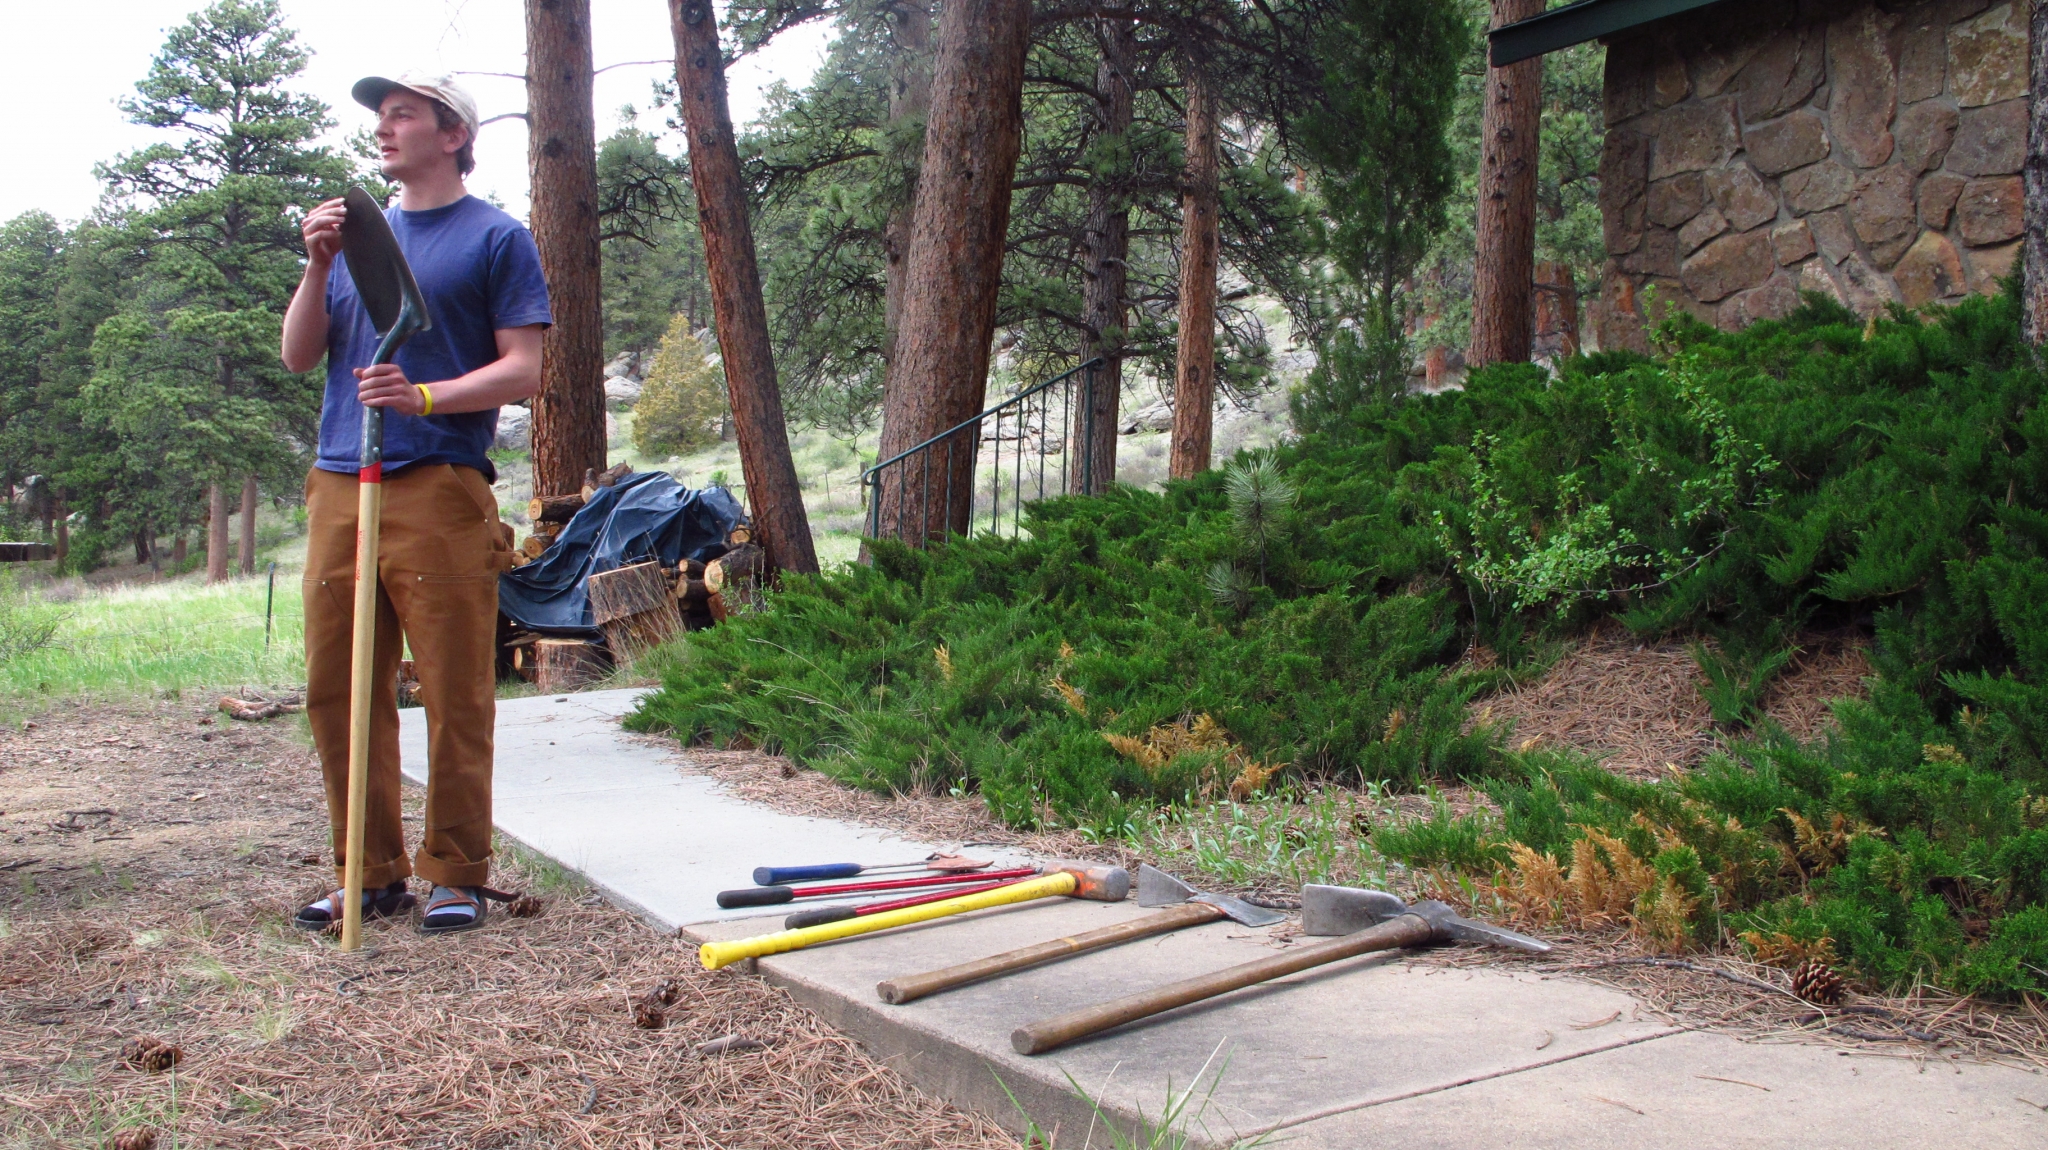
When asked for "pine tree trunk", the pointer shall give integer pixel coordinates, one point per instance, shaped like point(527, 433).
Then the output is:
point(179, 551)
point(63, 547)
point(1503, 279)
point(953, 270)
point(1194, 387)
point(247, 552)
point(2034, 269)
point(1106, 241)
point(910, 98)
point(568, 414)
point(216, 533)
point(780, 523)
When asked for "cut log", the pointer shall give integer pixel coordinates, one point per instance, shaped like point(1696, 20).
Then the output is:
point(740, 535)
point(737, 576)
point(533, 545)
point(691, 591)
point(408, 684)
point(562, 665)
point(526, 662)
point(635, 608)
point(549, 530)
point(554, 508)
point(610, 476)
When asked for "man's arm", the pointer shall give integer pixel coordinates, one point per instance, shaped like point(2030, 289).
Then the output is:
point(305, 321)
point(512, 377)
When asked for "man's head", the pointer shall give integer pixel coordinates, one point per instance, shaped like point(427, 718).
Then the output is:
point(423, 122)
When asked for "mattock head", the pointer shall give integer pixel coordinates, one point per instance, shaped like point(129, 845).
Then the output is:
point(1335, 910)
point(1157, 888)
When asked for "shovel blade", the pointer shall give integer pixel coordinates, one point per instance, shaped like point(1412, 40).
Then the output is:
point(1157, 888)
point(382, 278)
point(1336, 910)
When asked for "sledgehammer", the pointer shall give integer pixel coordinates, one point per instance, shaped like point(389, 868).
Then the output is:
point(1190, 907)
point(1368, 920)
point(1099, 883)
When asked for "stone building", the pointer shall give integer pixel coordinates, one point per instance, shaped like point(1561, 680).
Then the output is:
point(1867, 149)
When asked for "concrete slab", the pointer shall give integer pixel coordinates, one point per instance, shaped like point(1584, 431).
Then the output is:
point(617, 810)
point(1691, 1090)
point(1266, 1057)
point(1373, 1051)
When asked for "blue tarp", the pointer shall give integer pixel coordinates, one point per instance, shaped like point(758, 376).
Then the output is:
point(646, 516)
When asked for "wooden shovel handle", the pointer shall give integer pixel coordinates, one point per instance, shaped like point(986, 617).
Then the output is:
point(361, 680)
point(1038, 1037)
point(898, 991)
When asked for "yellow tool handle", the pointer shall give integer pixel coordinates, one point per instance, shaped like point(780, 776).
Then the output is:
point(717, 954)
point(361, 670)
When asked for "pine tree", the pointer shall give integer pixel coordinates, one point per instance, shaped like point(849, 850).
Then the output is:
point(682, 400)
point(186, 373)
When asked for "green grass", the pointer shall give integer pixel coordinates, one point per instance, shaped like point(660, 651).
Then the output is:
point(163, 637)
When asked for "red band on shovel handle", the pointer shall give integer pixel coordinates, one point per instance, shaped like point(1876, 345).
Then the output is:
point(374, 473)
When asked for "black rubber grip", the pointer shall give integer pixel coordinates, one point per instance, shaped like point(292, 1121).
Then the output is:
point(755, 896)
point(818, 916)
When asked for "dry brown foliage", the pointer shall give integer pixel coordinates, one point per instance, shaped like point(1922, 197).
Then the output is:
point(174, 924)
point(1241, 775)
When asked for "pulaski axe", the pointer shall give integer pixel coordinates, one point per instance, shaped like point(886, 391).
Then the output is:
point(1367, 920)
point(1190, 907)
point(384, 283)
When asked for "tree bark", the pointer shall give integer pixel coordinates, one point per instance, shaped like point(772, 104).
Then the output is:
point(1106, 241)
point(568, 414)
point(1503, 279)
point(1194, 387)
point(178, 551)
point(2034, 268)
point(247, 551)
point(954, 266)
point(216, 533)
point(773, 494)
point(910, 98)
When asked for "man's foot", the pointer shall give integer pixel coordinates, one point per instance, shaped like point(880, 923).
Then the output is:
point(320, 914)
point(454, 908)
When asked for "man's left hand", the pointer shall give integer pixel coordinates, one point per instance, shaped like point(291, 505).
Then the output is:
point(385, 385)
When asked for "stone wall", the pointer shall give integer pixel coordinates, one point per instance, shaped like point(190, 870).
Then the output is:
point(1868, 150)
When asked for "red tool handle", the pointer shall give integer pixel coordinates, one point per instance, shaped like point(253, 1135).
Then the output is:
point(818, 916)
point(774, 895)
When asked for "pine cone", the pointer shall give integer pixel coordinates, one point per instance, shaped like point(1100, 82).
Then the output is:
point(648, 1015)
point(134, 1138)
point(144, 1052)
point(665, 994)
point(525, 906)
point(1816, 982)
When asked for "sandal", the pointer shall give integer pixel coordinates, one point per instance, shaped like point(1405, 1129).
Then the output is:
point(319, 914)
point(457, 908)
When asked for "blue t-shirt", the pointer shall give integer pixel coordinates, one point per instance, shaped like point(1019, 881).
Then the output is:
point(480, 272)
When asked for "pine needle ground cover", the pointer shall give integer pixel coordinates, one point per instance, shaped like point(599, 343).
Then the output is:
point(1305, 616)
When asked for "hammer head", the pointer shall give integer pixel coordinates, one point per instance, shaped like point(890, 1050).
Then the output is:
point(1099, 883)
point(1328, 910)
point(1157, 888)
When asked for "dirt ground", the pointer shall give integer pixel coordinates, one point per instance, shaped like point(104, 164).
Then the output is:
point(150, 859)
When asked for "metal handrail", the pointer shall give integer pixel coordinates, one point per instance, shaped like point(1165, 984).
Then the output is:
point(871, 480)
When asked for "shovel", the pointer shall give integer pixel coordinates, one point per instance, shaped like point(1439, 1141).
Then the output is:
point(1368, 920)
point(384, 283)
point(1155, 888)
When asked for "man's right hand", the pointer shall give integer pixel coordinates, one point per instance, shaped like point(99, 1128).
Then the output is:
point(322, 231)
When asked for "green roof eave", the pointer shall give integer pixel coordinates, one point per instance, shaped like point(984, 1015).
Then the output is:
point(1576, 24)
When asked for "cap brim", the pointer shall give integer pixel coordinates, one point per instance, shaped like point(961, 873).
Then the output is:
point(371, 90)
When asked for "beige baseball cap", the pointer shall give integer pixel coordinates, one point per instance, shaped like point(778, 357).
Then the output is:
point(371, 90)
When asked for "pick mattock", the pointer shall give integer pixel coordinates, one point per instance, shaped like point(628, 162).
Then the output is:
point(1369, 920)
point(1100, 883)
point(1155, 888)
point(392, 297)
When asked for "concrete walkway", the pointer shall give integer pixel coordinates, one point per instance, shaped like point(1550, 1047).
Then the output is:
point(1370, 1052)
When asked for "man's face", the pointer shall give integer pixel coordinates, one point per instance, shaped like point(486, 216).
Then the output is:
point(410, 142)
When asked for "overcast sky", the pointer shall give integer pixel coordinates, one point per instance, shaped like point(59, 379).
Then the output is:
point(63, 66)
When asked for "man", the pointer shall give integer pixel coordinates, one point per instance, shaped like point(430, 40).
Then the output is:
point(442, 546)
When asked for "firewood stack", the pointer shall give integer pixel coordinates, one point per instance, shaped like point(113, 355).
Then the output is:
point(549, 514)
point(733, 581)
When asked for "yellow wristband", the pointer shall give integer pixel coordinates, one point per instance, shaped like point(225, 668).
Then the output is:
point(426, 397)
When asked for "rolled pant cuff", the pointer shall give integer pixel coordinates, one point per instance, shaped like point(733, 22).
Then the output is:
point(376, 876)
point(442, 873)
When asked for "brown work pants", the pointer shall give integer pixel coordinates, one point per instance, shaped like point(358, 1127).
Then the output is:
point(440, 550)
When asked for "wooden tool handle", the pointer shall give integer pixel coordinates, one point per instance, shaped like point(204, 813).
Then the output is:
point(716, 954)
point(361, 673)
point(1038, 1037)
point(911, 987)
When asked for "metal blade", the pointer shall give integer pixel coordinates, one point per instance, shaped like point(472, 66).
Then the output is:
point(1337, 910)
point(383, 279)
point(1157, 888)
point(1241, 911)
point(1465, 930)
